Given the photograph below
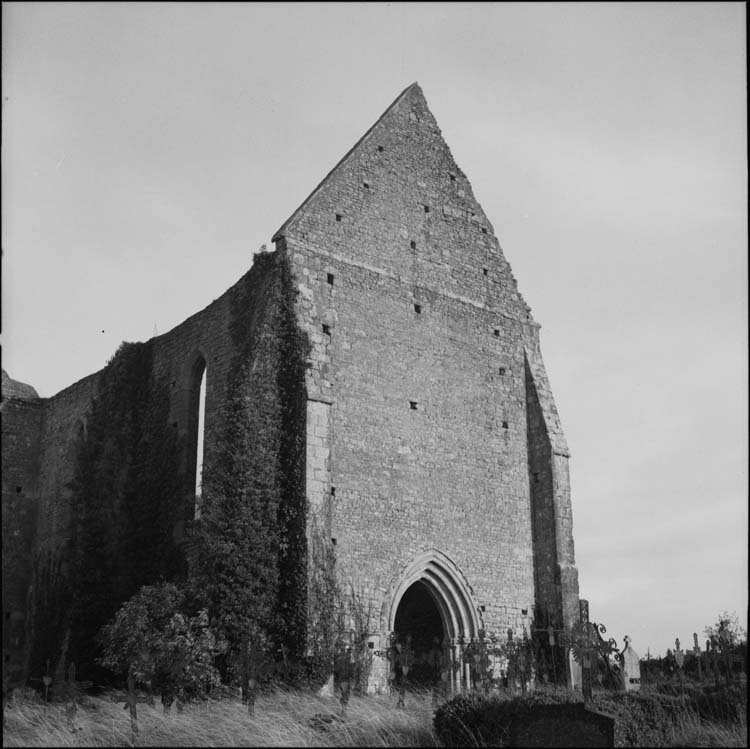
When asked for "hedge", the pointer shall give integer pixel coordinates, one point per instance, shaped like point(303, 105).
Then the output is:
point(646, 718)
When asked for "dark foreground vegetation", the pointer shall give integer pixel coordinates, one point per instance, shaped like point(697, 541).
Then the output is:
point(657, 716)
point(280, 718)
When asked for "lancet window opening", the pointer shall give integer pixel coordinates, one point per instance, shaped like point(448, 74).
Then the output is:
point(196, 421)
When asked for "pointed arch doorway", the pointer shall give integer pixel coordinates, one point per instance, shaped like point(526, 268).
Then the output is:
point(432, 599)
point(418, 618)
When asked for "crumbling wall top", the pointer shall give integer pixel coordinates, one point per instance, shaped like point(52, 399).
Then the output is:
point(14, 389)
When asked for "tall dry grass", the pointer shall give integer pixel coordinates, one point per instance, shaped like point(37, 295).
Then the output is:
point(691, 731)
point(280, 719)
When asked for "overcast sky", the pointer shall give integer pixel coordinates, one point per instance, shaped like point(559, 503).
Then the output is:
point(149, 150)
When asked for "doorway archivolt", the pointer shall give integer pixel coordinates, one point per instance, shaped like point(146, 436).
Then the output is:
point(449, 589)
point(432, 600)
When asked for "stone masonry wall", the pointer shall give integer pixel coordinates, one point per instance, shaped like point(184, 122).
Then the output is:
point(204, 335)
point(430, 421)
point(546, 575)
point(207, 337)
point(21, 429)
point(428, 418)
point(65, 418)
point(548, 457)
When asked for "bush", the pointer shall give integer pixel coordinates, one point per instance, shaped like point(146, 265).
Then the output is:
point(647, 718)
point(151, 640)
point(476, 719)
point(724, 703)
point(641, 718)
point(709, 701)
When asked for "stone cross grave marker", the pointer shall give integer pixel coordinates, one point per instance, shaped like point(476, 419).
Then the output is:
point(711, 656)
point(679, 655)
point(697, 654)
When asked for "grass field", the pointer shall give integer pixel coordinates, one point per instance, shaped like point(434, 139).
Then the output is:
point(695, 733)
point(281, 718)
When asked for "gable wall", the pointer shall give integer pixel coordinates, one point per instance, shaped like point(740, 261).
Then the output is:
point(448, 475)
point(453, 474)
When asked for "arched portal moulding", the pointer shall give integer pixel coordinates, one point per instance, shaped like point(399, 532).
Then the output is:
point(461, 617)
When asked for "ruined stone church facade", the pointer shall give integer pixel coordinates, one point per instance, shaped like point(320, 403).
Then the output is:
point(433, 448)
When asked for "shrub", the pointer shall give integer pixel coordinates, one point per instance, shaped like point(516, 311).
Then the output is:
point(151, 640)
point(646, 718)
point(709, 701)
point(723, 703)
point(641, 718)
point(475, 719)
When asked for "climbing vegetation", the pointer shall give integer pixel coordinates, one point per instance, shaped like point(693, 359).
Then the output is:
point(126, 497)
point(250, 542)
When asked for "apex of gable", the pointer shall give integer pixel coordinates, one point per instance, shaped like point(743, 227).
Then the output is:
point(411, 95)
point(398, 202)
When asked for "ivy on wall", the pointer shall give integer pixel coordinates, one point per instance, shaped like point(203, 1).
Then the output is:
point(249, 548)
point(250, 540)
point(126, 498)
point(291, 618)
point(50, 597)
point(325, 610)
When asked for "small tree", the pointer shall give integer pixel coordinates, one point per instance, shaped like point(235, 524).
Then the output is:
point(358, 611)
point(151, 640)
point(727, 623)
point(728, 638)
point(251, 665)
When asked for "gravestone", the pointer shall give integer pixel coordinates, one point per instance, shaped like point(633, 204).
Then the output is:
point(327, 689)
point(575, 672)
point(697, 654)
point(569, 725)
point(631, 668)
point(679, 655)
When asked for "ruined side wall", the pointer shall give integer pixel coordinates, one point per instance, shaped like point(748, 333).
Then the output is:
point(452, 474)
point(204, 335)
point(64, 422)
point(211, 337)
point(21, 430)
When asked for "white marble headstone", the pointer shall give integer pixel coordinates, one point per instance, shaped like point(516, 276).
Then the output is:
point(631, 668)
